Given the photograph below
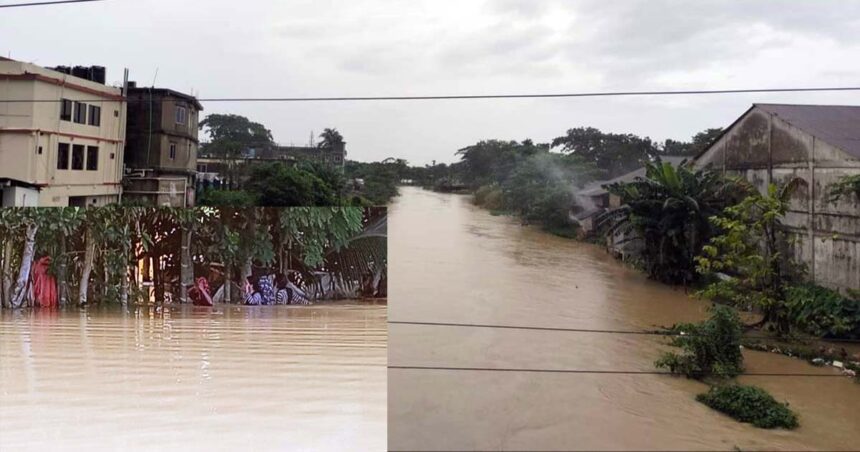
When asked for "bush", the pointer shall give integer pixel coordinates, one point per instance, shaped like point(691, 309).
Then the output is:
point(822, 312)
point(711, 348)
point(489, 197)
point(226, 198)
point(750, 404)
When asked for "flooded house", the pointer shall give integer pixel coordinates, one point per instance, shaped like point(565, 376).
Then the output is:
point(817, 145)
point(598, 209)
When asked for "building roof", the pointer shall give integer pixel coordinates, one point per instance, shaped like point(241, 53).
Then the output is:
point(597, 188)
point(165, 92)
point(838, 125)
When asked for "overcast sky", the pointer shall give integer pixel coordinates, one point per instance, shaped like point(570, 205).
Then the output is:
point(284, 48)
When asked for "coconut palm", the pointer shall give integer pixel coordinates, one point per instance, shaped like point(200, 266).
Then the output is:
point(331, 138)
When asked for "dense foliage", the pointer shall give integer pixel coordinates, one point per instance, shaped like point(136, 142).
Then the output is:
point(710, 348)
point(750, 404)
point(617, 154)
point(670, 209)
point(527, 180)
point(106, 254)
point(379, 180)
point(230, 136)
point(822, 312)
point(749, 250)
point(90, 251)
point(693, 148)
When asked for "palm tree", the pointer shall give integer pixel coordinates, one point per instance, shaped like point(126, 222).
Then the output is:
point(670, 209)
point(331, 138)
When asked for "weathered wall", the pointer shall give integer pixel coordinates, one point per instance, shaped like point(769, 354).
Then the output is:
point(765, 149)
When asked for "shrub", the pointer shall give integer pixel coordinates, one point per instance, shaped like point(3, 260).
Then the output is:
point(822, 312)
point(711, 348)
point(750, 404)
point(489, 197)
point(227, 198)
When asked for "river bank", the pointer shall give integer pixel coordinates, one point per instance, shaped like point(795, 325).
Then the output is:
point(482, 269)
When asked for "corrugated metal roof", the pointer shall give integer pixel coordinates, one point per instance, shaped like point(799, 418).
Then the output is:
point(838, 125)
point(596, 188)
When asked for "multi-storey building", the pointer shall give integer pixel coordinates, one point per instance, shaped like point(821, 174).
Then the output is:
point(61, 136)
point(161, 154)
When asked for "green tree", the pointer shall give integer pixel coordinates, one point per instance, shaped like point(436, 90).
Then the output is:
point(616, 154)
point(670, 209)
point(230, 136)
point(331, 138)
point(540, 189)
point(749, 249)
point(711, 349)
point(281, 185)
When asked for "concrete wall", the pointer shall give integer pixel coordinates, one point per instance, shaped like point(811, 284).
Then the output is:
point(765, 149)
point(164, 192)
point(19, 197)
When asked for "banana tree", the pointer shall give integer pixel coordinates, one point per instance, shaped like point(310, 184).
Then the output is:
point(670, 209)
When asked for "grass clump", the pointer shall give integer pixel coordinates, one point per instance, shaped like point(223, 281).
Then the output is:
point(710, 349)
point(750, 404)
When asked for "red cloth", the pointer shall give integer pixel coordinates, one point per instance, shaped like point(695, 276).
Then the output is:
point(200, 293)
point(44, 284)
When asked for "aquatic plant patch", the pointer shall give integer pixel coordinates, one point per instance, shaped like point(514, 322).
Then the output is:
point(750, 404)
point(710, 349)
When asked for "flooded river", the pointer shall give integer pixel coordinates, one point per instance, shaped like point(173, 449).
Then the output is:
point(453, 262)
point(186, 378)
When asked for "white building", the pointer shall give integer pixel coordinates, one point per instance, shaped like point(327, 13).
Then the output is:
point(61, 136)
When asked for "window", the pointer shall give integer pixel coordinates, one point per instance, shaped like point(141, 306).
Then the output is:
point(80, 113)
point(66, 110)
point(92, 158)
point(181, 115)
point(63, 156)
point(172, 151)
point(95, 116)
point(78, 157)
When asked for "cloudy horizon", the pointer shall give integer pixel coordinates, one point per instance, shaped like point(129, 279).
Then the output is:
point(266, 48)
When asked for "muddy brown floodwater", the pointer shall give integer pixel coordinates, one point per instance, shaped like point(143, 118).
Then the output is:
point(453, 262)
point(184, 378)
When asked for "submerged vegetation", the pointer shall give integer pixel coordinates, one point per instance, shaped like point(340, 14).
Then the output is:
point(711, 349)
point(750, 404)
point(712, 352)
point(669, 209)
point(120, 254)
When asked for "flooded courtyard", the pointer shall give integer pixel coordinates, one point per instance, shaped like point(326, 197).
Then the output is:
point(452, 262)
point(187, 378)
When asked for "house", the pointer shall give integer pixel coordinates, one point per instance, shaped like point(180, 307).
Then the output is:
point(594, 200)
point(334, 156)
point(62, 132)
point(817, 145)
point(161, 152)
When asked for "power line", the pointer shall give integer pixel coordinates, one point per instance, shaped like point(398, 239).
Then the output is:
point(480, 96)
point(17, 5)
point(596, 372)
point(579, 330)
